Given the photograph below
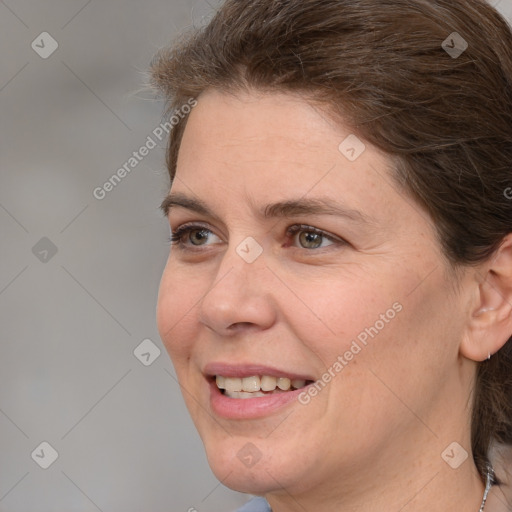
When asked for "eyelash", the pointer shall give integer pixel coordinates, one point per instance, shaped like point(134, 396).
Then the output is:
point(177, 235)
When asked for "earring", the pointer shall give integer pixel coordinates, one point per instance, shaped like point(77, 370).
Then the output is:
point(484, 310)
point(488, 356)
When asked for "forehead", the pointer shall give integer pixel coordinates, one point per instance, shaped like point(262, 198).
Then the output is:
point(267, 147)
point(247, 119)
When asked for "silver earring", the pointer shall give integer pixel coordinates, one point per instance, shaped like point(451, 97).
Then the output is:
point(488, 356)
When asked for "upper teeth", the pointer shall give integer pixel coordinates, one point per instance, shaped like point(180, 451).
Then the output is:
point(257, 383)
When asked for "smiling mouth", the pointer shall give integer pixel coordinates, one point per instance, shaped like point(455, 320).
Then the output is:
point(257, 385)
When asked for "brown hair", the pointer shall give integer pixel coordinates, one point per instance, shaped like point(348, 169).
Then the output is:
point(445, 120)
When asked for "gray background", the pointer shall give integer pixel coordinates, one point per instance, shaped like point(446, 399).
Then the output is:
point(70, 321)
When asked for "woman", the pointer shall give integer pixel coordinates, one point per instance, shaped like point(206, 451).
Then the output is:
point(337, 301)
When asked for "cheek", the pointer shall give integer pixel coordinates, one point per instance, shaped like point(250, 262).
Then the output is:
point(392, 343)
point(177, 299)
point(332, 310)
point(364, 322)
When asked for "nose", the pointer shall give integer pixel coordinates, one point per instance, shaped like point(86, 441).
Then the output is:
point(239, 298)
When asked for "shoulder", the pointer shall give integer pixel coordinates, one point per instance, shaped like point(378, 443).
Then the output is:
point(255, 505)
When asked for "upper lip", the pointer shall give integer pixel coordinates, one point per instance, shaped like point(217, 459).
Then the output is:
point(249, 370)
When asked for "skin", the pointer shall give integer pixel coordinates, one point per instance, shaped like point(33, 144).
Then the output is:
point(372, 439)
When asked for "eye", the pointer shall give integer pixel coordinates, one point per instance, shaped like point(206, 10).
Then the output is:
point(308, 237)
point(196, 235)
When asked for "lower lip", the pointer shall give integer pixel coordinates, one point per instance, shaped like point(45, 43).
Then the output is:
point(248, 408)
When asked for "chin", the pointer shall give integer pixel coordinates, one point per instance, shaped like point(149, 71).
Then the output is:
point(238, 464)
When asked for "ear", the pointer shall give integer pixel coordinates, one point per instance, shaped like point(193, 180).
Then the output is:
point(490, 322)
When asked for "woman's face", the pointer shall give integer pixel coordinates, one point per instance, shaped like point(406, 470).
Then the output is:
point(305, 261)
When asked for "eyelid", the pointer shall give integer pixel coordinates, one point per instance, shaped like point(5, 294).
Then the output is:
point(191, 225)
point(296, 228)
point(183, 229)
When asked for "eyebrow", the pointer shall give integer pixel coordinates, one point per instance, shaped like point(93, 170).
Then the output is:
point(288, 208)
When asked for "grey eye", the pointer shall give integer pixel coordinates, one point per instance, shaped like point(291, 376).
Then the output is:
point(310, 240)
point(198, 236)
